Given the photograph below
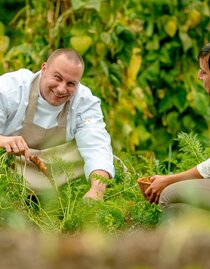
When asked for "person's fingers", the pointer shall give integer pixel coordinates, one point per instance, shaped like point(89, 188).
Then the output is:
point(8, 148)
point(148, 191)
point(16, 145)
point(156, 199)
point(23, 148)
point(14, 148)
point(152, 198)
point(152, 178)
point(27, 153)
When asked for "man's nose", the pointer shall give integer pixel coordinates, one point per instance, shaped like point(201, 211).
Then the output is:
point(62, 88)
point(199, 75)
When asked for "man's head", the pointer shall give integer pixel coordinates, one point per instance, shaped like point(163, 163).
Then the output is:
point(204, 62)
point(60, 76)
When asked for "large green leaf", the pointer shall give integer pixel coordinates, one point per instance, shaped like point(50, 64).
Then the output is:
point(201, 103)
point(186, 41)
point(165, 104)
point(179, 100)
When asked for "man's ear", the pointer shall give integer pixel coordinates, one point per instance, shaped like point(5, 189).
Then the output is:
point(43, 67)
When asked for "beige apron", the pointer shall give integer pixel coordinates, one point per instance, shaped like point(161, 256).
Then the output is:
point(62, 159)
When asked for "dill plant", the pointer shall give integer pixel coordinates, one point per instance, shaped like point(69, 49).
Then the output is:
point(63, 209)
point(12, 194)
point(190, 151)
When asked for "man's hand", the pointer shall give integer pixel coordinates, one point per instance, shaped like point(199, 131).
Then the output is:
point(97, 189)
point(15, 145)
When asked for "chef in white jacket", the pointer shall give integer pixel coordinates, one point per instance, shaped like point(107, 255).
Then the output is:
point(52, 115)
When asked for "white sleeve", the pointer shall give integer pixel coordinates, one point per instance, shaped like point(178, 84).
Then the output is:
point(93, 141)
point(14, 91)
point(3, 114)
point(204, 168)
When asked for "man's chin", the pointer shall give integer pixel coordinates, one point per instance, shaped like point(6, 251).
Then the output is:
point(55, 102)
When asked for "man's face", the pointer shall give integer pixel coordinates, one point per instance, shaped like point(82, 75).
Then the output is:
point(204, 72)
point(59, 80)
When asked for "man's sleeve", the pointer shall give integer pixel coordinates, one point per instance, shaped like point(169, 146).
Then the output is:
point(93, 141)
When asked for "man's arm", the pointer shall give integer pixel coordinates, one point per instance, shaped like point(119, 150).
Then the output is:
point(94, 145)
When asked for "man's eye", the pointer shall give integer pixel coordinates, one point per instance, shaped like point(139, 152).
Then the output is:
point(57, 77)
point(71, 84)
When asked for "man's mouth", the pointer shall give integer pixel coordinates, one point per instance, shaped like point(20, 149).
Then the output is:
point(59, 95)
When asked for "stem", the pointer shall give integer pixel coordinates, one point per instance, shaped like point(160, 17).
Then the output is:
point(121, 191)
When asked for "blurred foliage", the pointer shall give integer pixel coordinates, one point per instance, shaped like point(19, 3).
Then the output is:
point(64, 210)
point(140, 56)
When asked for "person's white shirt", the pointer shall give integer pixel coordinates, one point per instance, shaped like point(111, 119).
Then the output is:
point(204, 168)
point(84, 120)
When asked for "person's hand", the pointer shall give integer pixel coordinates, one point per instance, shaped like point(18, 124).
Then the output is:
point(94, 194)
point(159, 182)
point(97, 189)
point(15, 145)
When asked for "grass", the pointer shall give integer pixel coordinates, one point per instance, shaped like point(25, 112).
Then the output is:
point(64, 210)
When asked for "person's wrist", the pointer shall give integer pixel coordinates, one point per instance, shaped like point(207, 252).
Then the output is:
point(99, 178)
point(98, 186)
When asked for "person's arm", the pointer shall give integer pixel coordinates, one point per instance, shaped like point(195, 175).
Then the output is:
point(159, 182)
point(98, 186)
point(12, 110)
point(14, 145)
point(94, 144)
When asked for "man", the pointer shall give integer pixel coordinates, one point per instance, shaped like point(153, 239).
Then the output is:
point(50, 113)
point(190, 188)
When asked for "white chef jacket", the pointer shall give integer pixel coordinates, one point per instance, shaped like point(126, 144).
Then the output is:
point(84, 120)
point(204, 168)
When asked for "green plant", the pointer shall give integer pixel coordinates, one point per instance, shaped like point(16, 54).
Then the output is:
point(140, 60)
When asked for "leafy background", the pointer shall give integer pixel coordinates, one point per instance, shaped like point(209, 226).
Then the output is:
point(140, 56)
point(141, 60)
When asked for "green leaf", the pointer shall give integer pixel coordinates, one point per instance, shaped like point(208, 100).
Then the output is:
point(153, 44)
point(4, 43)
point(186, 41)
point(165, 104)
point(179, 100)
point(150, 29)
point(143, 133)
point(173, 123)
point(188, 122)
point(1, 28)
point(171, 27)
point(201, 103)
point(87, 4)
point(81, 43)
